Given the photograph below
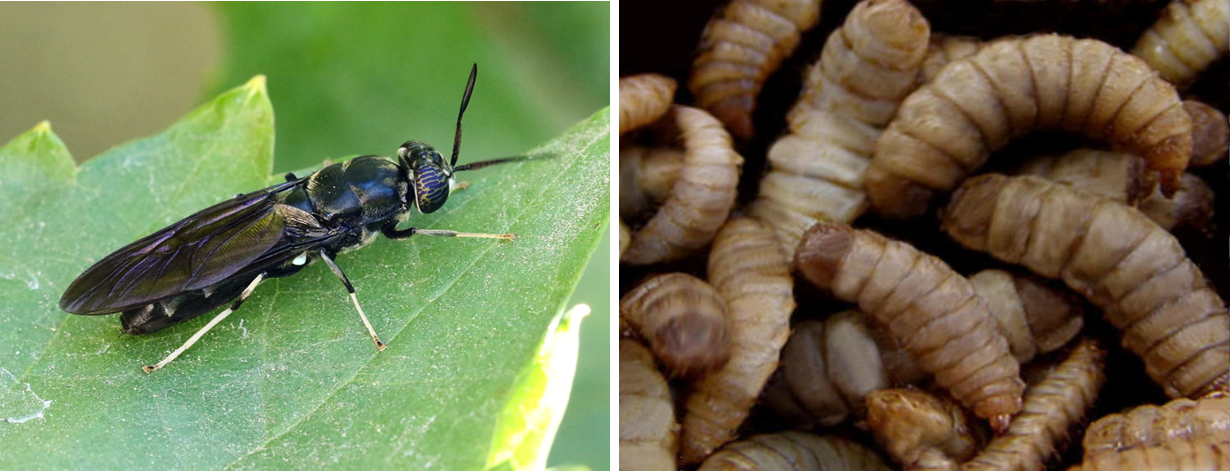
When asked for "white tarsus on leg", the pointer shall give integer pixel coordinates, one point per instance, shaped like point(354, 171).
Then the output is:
point(197, 336)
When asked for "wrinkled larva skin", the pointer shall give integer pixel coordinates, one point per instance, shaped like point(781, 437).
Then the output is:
point(648, 432)
point(1149, 425)
point(1011, 87)
point(1189, 35)
point(1114, 256)
point(700, 200)
point(907, 421)
point(646, 176)
point(747, 267)
point(930, 309)
point(867, 67)
point(946, 48)
point(683, 319)
point(794, 451)
point(1117, 176)
point(643, 99)
point(739, 49)
point(1176, 455)
point(1052, 407)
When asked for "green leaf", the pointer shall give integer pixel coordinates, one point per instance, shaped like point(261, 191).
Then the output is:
point(290, 380)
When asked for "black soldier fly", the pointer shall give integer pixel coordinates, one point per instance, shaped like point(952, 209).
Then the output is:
point(221, 253)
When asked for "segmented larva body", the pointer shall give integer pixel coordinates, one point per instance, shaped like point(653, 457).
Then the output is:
point(1149, 425)
point(908, 421)
point(643, 99)
point(625, 237)
point(1176, 455)
point(683, 319)
point(829, 367)
point(648, 432)
point(646, 176)
point(945, 48)
point(1117, 176)
point(739, 49)
point(1210, 133)
point(1189, 36)
point(1117, 258)
point(931, 459)
point(747, 267)
point(794, 451)
point(699, 201)
point(1052, 407)
point(1011, 87)
point(930, 309)
point(866, 68)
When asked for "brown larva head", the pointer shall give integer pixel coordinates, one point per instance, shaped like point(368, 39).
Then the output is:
point(896, 197)
point(687, 341)
point(968, 214)
point(821, 251)
point(1210, 132)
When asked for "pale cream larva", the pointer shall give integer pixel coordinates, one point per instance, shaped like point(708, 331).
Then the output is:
point(1011, 87)
point(741, 46)
point(1150, 425)
point(1189, 35)
point(699, 201)
point(867, 67)
point(930, 309)
point(648, 432)
point(1117, 258)
point(794, 451)
point(643, 99)
point(683, 319)
point(747, 267)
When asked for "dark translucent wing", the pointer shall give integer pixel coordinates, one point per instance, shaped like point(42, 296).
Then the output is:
point(191, 254)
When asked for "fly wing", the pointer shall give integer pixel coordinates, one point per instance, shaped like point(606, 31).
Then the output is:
point(191, 254)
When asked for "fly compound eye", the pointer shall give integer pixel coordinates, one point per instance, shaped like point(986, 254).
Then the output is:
point(431, 187)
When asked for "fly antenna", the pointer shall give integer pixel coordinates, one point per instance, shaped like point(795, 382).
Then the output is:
point(478, 165)
point(465, 101)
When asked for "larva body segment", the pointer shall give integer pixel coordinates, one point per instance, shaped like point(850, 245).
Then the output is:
point(747, 267)
point(908, 421)
point(699, 201)
point(1033, 317)
point(1052, 407)
point(739, 49)
point(794, 451)
point(643, 99)
point(930, 309)
point(1011, 87)
point(1117, 258)
point(683, 319)
point(648, 432)
point(946, 48)
point(1149, 425)
point(1177, 455)
point(1210, 133)
point(866, 68)
point(646, 176)
point(1117, 176)
point(1189, 35)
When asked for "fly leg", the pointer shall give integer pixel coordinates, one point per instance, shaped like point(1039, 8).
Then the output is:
point(391, 231)
point(197, 336)
point(337, 271)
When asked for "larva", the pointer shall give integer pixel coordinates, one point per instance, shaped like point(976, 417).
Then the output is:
point(701, 198)
point(1052, 407)
point(932, 311)
point(646, 175)
point(866, 68)
point(739, 49)
point(1009, 88)
point(794, 451)
point(931, 459)
point(1149, 425)
point(1189, 36)
point(1117, 176)
point(908, 421)
point(1175, 455)
point(625, 237)
point(647, 429)
point(1114, 256)
point(1210, 133)
point(683, 319)
point(829, 367)
point(945, 48)
point(747, 267)
point(643, 99)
